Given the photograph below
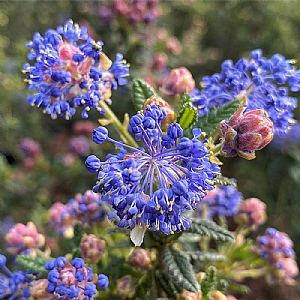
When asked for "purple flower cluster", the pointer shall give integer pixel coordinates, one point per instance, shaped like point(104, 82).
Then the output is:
point(264, 82)
point(136, 11)
point(73, 280)
point(222, 201)
point(70, 71)
point(80, 145)
point(84, 209)
point(14, 285)
point(277, 249)
point(152, 186)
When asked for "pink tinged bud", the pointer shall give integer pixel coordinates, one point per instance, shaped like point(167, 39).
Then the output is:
point(245, 133)
point(159, 61)
point(230, 297)
point(187, 295)
point(91, 248)
point(125, 287)
point(38, 290)
point(217, 295)
point(140, 258)
point(252, 212)
point(23, 237)
point(179, 81)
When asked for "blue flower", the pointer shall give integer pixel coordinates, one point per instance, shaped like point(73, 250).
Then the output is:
point(71, 71)
point(264, 82)
point(103, 281)
point(14, 285)
point(222, 201)
point(70, 280)
point(153, 186)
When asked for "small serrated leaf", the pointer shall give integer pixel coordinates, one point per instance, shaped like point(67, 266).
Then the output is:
point(211, 229)
point(209, 122)
point(222, 180)
point(179, 269)
point(209, 282)
point(167, 284)
point(36, 264)
point(141, 91)
point(187, 114)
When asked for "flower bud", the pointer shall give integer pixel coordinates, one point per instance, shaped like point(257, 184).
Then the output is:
point(91, 248)
point(251, 212)
point(246, 132)
point(100, 135)
point(38, 290)
point(140, 258)
point(171, 116)
point(179, 81)
point(217, 295)
point(187, 295)
point(93, 163)
point(125, 287)
point(23, 237)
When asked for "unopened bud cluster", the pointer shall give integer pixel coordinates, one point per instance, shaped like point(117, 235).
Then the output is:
point(140, 258)
point(277, 249)
point(91, 248)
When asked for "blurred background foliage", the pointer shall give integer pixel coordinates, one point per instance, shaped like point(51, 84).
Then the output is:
point(206, 33)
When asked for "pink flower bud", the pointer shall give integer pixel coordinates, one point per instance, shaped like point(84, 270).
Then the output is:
point(140, 258)
point(91, 248)
point(38, 290)
point(170, 118)
point(217, 295)
point(125, 287)
point(246, 132)
point(22, 237)
point(159, 61)
point(179, 81)
point(251, 212)
point(187, 295)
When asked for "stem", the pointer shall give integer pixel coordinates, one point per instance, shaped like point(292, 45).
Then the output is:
point(124, 134)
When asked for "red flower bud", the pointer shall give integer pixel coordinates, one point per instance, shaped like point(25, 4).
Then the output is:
point(91, 247)
point(140, 258)
point(125, 287)
point(179, 81)
point(246, 132)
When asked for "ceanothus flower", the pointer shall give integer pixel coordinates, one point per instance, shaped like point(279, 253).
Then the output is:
point(152, 187)
point(73, 280)
point(71, 71)
point(222, 201)
point(264, 82)
point(14, 285)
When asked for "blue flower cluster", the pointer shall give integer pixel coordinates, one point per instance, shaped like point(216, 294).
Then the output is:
point(264, 82)
point(154, 185)
point(14, 285)
point(222, 201)
point(70, 71)
point(73, 280)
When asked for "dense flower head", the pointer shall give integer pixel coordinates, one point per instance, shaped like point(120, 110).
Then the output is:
point(136, 11)
point(140, 259)
point(125, 287)
point(245, 132)
point(251, 212)
point(264, 82)
point(71, 71)
point(291, 138)
point(30, 147)
point(83, 209)
point(152, 186)
point(71, 280)
point(14, 285)
point(277, 249)
point(221, 201)
point(80, 145)
point(23, 238)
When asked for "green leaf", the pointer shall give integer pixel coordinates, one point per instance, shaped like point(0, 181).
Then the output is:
point(141, 91)
point(211, 256)
point(239, 288)
point(209, 282)
point(187, 114)
point(167, 284)
point(179, 269)
point(211, 229)
point(221, 180)
point(209, 123)
point(36, 264)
